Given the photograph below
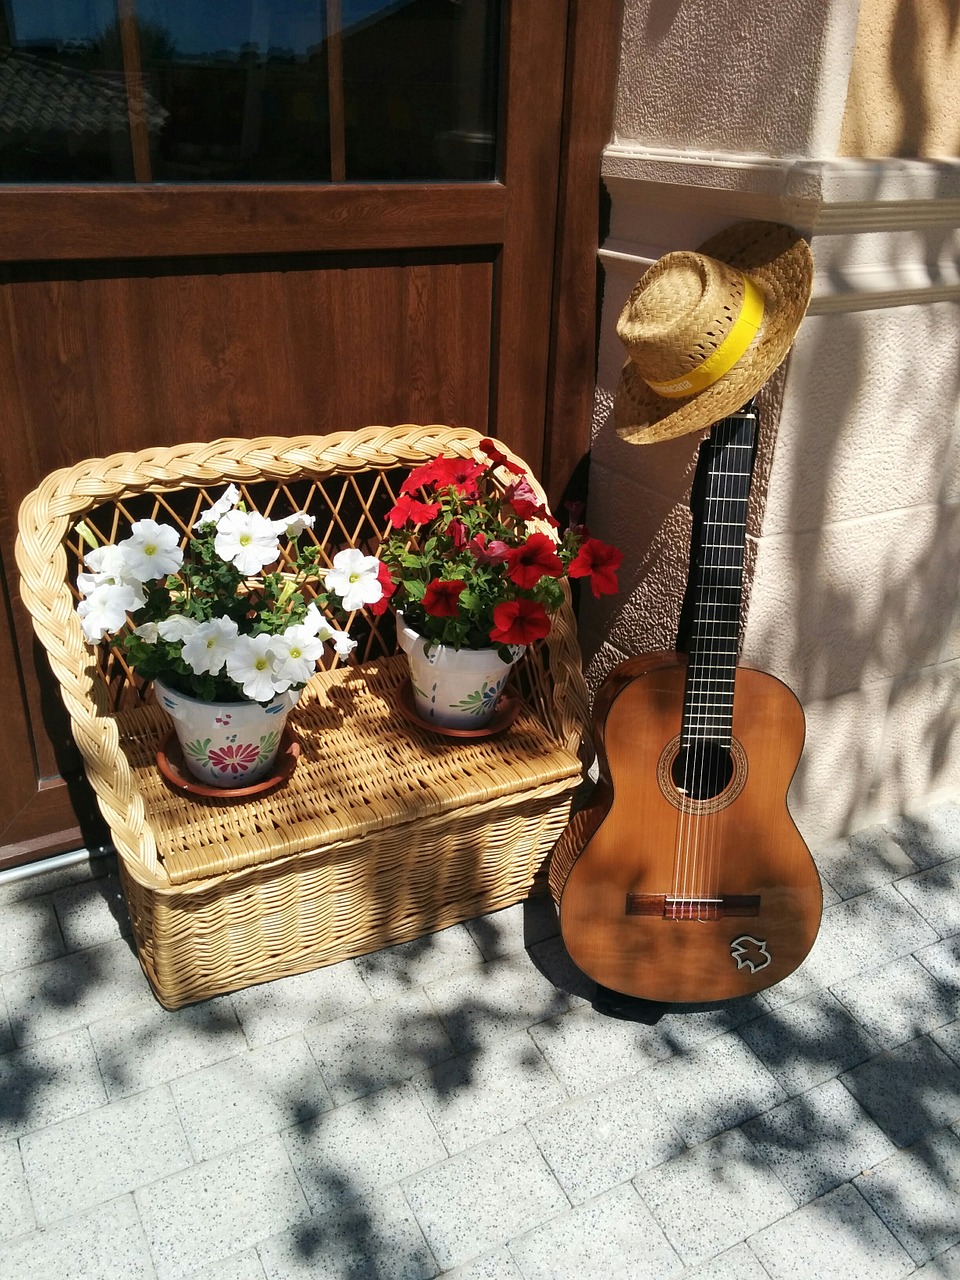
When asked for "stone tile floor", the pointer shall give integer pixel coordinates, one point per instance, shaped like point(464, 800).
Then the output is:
point(457, 1106)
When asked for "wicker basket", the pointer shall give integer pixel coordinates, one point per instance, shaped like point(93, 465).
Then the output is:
point(385, 831)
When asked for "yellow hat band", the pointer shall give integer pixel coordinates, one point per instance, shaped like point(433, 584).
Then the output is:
point(726, 355)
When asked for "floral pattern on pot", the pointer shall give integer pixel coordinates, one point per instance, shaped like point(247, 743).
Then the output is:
point(455, 688)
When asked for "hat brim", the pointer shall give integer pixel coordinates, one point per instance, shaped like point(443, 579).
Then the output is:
point(779, 262)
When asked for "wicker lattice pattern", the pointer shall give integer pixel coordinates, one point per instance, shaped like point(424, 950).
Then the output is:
point(384, 832)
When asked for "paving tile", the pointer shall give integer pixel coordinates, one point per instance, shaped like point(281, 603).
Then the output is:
point(381, 1045)
point(108, 1242)
point(492, 1001)
point(915, 1194)
point(834, 1238)
point(16, 1212)
point(503, 933)
point(497, 1265)
point(808, 1042)
point(275, 1010)
point(948, 1039)
point(614, 1236)
point(683, 1027)
point(713, 1087)
point(943, 961)
point(737, 1263)
point(7, 1041)
point(358, 1148)
point(243, 1266)
point(587, 1051)
point(863, 861)
point(149, 1047)
point(713, 1197)
point(373, 1238)
point(944, 1267)
point(481, 1094)
point(935, 894)
point(75, 990)
point(98, 1156)
point(396, 970)
point(818, 1140)
point(909, 1091)
point(901, 1000)
point(596, 1143)
point(929, 836)
point(472, 1202)
point(92, 912)
point(30, 934)
point(220, 1208)
point(859, 934)
point(249, 1096)
point(48, 1082)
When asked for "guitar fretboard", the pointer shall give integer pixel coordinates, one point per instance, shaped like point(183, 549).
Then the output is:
point(715, 630)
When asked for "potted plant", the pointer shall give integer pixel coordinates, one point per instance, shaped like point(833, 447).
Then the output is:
point(229, 628)
point(473, 563)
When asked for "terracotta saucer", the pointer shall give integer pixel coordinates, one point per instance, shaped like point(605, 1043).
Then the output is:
point(170, 763)
point(506, 711)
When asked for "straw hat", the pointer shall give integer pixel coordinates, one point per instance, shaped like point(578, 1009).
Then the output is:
point(705, 330)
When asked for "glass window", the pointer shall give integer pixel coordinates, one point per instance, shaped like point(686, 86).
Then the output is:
point(248, 90)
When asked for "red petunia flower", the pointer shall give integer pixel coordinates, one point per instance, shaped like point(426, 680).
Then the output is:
point(457, 531)
point(458, 473)
point(442, 599)
point(537, 558)
point(519, 622)
point(523, 501)
point(388, 586)
point(500, 459)
point(420, 477)
point(600, 563)
point(484, 552)
point(412, 510)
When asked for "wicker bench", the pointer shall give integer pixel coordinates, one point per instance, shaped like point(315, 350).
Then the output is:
point(384, 832)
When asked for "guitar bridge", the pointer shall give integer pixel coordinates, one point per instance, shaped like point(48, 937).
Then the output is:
point(670, 908)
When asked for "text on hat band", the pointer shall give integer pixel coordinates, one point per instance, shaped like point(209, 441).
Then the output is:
point(730, 350)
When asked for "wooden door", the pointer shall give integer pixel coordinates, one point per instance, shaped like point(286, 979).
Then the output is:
point(171, 307)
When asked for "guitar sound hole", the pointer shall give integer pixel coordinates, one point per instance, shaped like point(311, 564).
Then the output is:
point(703, 770)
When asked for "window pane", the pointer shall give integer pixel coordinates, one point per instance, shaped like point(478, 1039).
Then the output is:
point(63, 104)
point(420, 88)
point(245, 86)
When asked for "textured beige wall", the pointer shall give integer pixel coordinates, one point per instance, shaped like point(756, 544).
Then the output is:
point(904, 94)
point(854, 531)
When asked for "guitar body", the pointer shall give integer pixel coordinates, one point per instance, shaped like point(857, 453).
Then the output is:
point(686, 900)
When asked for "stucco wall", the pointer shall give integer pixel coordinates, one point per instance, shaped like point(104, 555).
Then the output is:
point(904, 94)
point(854, 528)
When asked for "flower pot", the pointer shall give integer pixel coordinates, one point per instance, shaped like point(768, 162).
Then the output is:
point(227, 744)
point(454, 688)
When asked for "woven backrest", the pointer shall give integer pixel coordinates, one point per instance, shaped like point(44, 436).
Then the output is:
point(348, 481)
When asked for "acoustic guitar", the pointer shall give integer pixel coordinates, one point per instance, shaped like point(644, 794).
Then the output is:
point(685, 879)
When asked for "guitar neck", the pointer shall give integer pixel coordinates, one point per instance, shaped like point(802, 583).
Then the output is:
point(715, 631)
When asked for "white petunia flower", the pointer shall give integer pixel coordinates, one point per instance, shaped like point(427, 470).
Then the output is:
point(294, 525)
point(152, 551)
point(250, 664)
point(315, 623)
point(342, 643)
point(207, 648)
point(247, 540)
point(149, 632)
point(177, 627)
point(107, 561)
point(105, 609)
point(109, 568)
point(295, 653)
point(226, 502)
point(355, 578)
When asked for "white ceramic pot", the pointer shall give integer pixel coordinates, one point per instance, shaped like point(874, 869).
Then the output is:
point(227, 744)
point(455, 688)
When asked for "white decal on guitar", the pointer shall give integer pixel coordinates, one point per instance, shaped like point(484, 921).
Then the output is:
point(740, 949)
